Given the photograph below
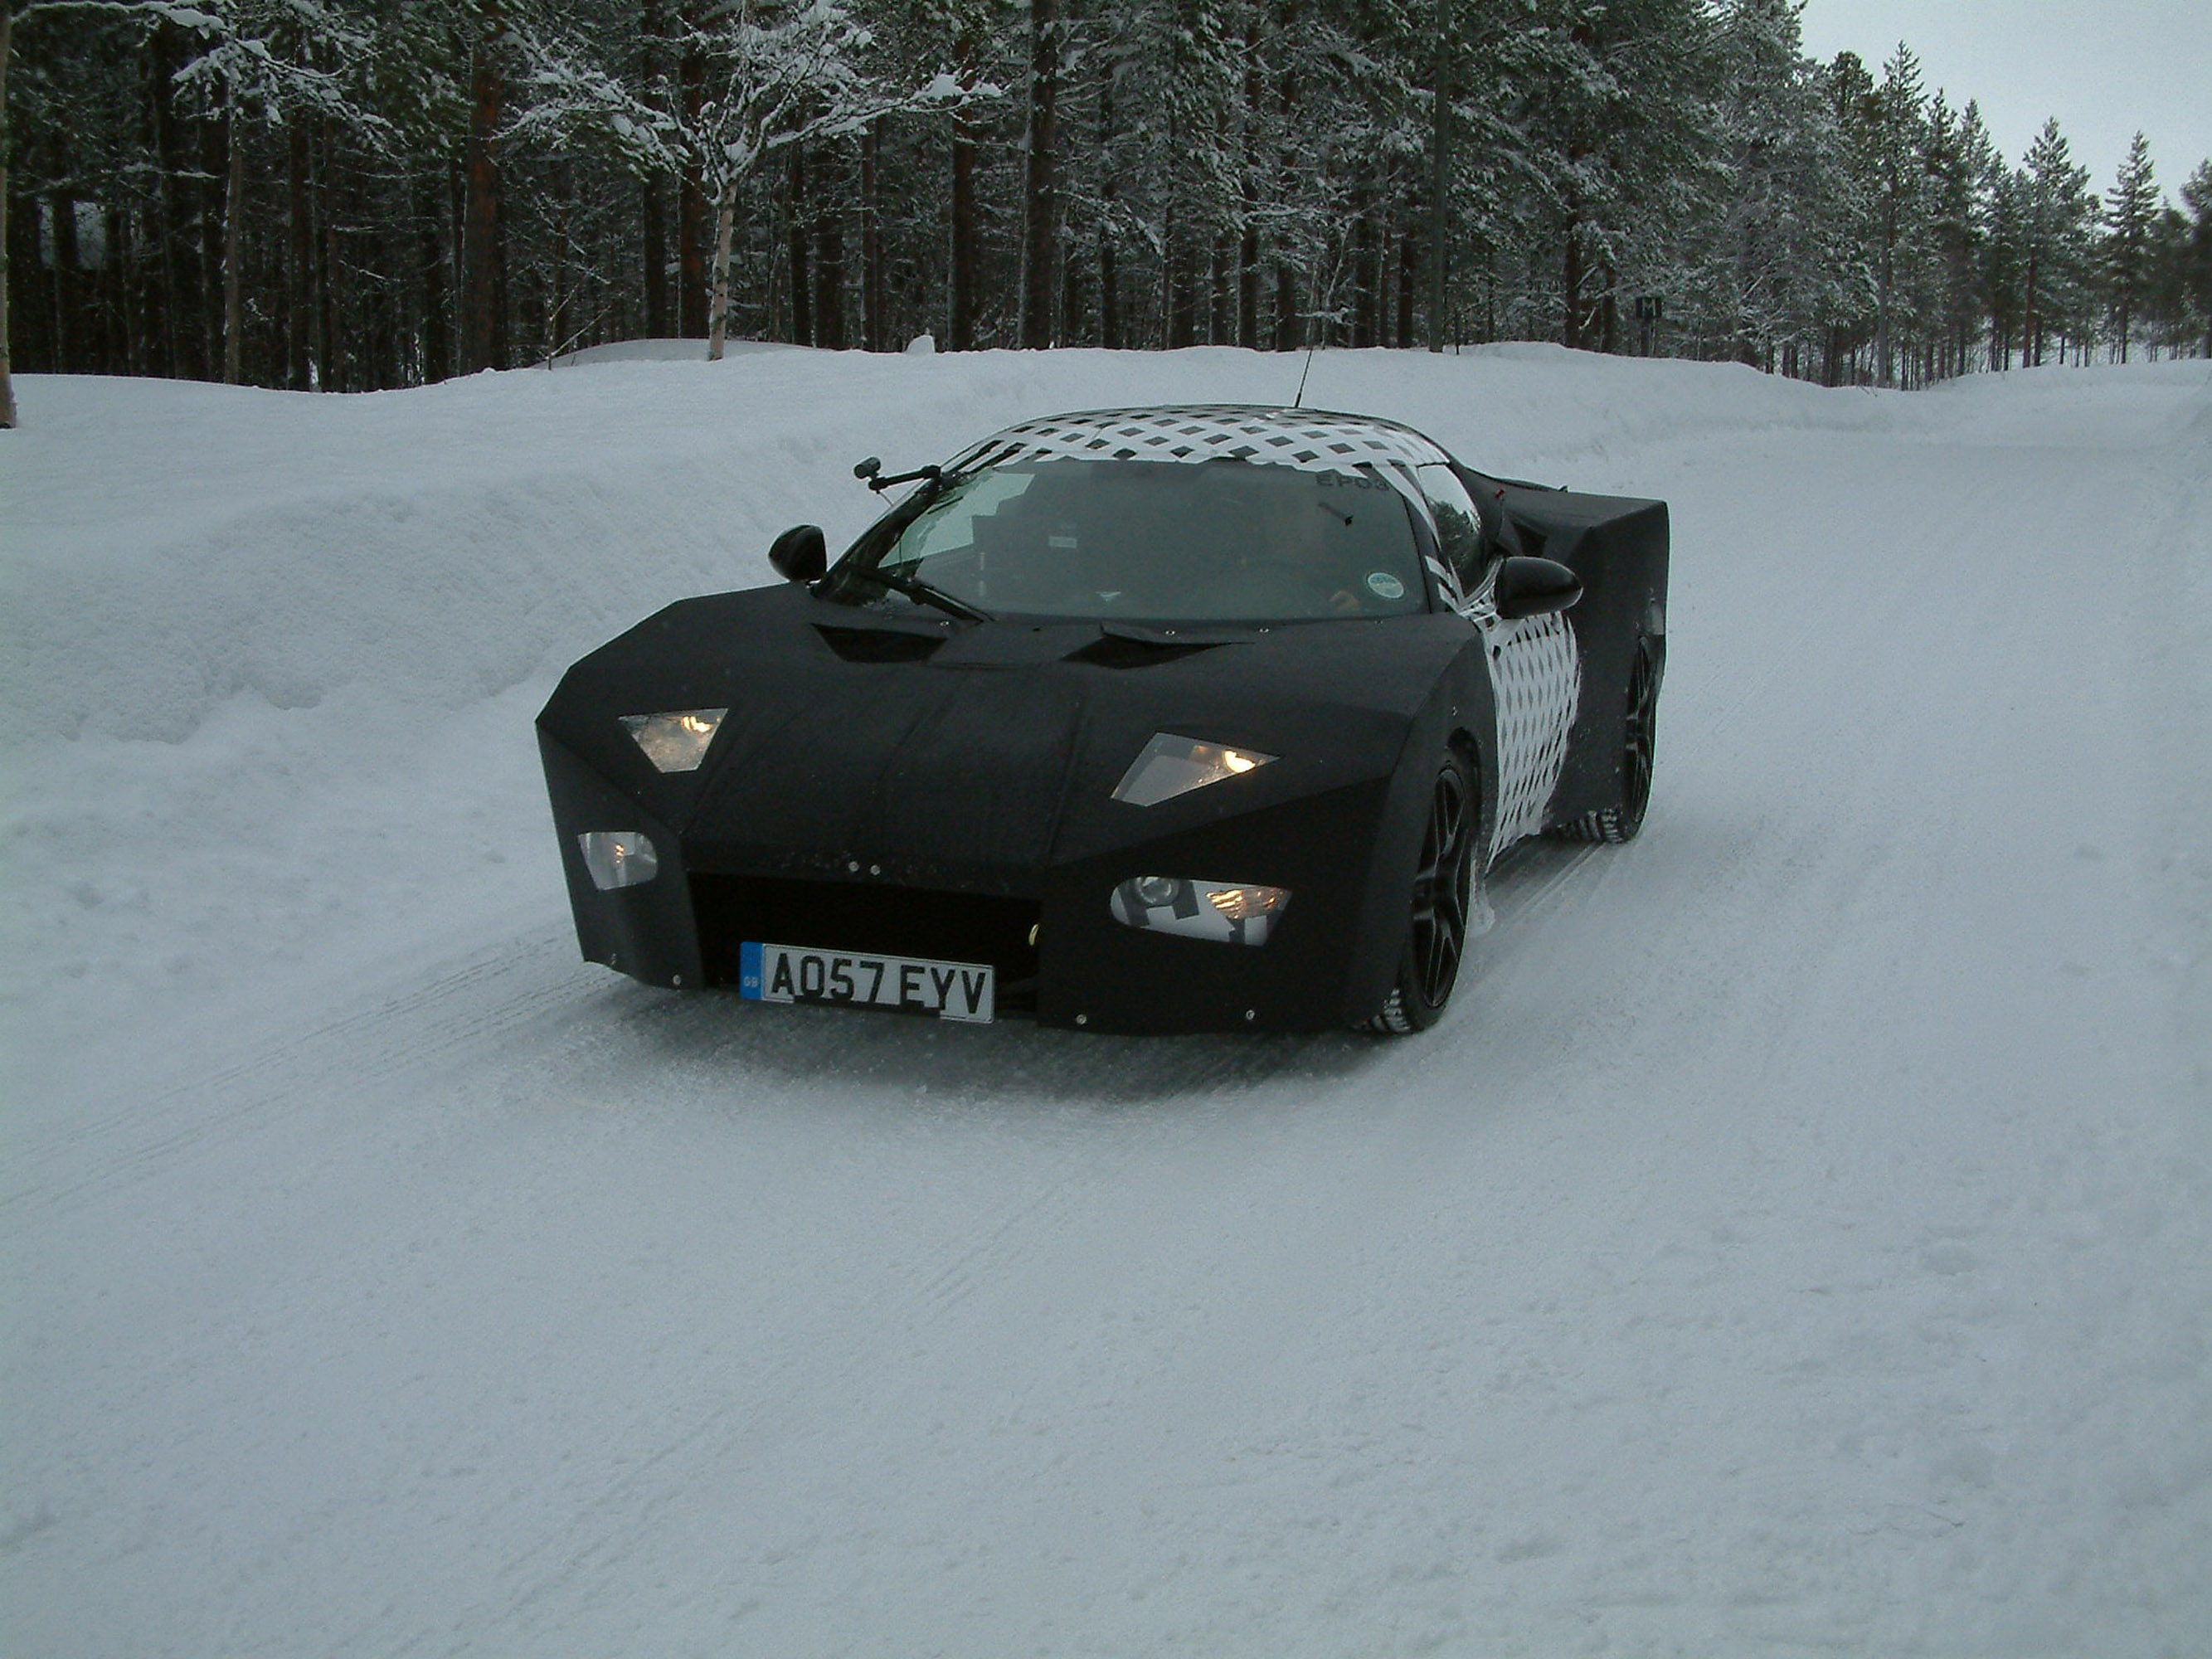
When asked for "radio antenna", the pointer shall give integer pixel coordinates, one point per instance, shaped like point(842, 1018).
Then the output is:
point(1298, 402)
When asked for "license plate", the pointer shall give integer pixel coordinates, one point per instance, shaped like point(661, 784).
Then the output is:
point(795, 973)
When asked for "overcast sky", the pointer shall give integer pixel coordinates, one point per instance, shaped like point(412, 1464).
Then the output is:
point(2104, 67)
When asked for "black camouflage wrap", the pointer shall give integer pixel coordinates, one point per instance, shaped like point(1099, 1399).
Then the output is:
point(891, 781)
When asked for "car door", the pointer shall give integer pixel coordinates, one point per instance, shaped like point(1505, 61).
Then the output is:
point(1536, 670)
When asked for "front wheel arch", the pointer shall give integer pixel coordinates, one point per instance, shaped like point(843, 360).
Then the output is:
point(1445, 908)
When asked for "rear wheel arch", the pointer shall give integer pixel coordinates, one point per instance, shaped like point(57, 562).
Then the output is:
point(1621, 818)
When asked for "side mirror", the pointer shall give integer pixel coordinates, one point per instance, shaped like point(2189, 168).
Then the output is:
point(799, 555)
point(1534, 587)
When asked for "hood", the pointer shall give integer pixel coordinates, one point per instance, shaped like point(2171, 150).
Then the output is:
point(975, 756)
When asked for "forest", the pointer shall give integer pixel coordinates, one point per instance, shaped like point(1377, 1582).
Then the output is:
point(347, 195)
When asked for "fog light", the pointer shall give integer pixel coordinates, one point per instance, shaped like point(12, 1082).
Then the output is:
point(1155, 890)
point(1226, 912)
point(619, 857)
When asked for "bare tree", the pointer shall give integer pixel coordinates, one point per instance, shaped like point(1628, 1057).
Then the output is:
point(770, 78)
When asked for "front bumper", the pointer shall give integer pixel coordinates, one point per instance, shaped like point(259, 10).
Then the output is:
point(1050, 932)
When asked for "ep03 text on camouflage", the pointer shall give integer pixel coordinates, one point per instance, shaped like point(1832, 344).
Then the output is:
point(1143, 719)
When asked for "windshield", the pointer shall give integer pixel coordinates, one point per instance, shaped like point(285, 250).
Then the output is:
point(1150, 541)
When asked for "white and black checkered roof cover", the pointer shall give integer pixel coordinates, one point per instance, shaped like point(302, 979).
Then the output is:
point(1313, 440)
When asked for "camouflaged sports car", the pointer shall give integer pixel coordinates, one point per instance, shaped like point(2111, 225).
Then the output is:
point(1145, 720)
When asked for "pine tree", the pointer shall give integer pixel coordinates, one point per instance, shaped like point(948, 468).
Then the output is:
point(1899, 140)
point(2196, 197)
point(1769, 274)
point(2130, 211)
point(345, 194)
point(2003, 267)
point(2054, 238)
point(1960, 161)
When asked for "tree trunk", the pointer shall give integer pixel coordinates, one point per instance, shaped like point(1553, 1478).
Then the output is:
point(1885, 278)
point(960, 324)
point(109, 286)
point(871, 241)
point(652, 232)
point(131, 293)
point(718, 310)
point(169, 323)
point(691, 204)
point(1247, 287)
point(829, 266)
point(796, 227)
point(1366, 271)
point(214, 171)
point(324, 276)
point(1179, 302)
point(2031, 331)
point(557, 309)
point(437, 341)
point(1409, 281)
point(1109, 274)
point(482, 345)
point(1040, 207)
point(1439, 178)
point(1289, 326)
point(654, 204)
point(1221, 293)
point(66, 280)
point(233, 213)
point(1248, 243)
point(6, 381)
point(1571, 282)
point(1072, 300)
point(1109, 296)
point(337, 354)
point(299, 272)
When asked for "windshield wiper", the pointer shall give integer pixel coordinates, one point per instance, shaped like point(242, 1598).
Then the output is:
point(916, 589)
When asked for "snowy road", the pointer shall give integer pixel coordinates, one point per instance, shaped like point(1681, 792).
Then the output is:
point(1795, 1237)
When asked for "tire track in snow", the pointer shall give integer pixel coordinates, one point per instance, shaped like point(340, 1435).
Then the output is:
point(989, 1249)
point(477, 1005)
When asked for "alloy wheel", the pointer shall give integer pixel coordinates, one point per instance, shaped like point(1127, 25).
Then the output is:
point(1442, 888)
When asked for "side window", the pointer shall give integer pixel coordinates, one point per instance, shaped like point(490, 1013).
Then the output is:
point(1459, 526)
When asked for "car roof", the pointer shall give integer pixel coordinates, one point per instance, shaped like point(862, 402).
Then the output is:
point(1313, 440)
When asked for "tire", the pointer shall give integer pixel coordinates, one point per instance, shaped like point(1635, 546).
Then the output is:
point(1441, 908)
point(1619, 822)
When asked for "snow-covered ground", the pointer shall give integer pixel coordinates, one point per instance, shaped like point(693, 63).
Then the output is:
point(1795, 1239)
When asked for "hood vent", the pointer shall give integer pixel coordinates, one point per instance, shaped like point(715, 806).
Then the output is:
point(879, 644)
point(1121, 651)
point(1131, 645)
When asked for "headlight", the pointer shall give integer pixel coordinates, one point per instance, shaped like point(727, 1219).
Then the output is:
point(1227, 912)
point(619, 857)
point(675, 742)
point(1168, 767)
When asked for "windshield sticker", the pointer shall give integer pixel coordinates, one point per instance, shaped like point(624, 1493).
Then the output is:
point(1384, 586)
